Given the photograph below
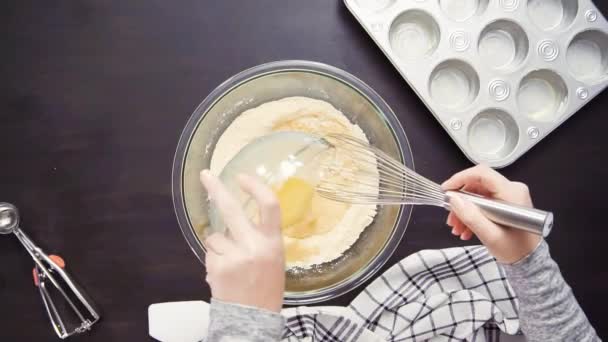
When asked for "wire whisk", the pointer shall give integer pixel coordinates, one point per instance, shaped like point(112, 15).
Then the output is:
point(371, 176)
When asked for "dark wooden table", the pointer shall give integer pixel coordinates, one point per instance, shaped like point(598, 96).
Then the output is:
point(94, 95)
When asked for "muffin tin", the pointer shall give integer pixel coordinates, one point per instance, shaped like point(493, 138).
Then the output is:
point(499, 75)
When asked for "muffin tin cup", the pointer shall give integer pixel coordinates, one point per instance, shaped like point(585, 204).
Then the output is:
point(503, 45)
point(542, 96)
point(493, 134)
point(463, 10)
point(587, 56)
point(498, 75)
point(414, 34)
point(453, 84)
point(550, 15)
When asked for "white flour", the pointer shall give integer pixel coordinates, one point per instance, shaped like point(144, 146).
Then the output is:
point(310, 116)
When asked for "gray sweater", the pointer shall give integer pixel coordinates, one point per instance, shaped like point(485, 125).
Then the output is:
point(548, 310)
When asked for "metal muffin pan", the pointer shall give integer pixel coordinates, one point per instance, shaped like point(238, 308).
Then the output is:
point(499, 75)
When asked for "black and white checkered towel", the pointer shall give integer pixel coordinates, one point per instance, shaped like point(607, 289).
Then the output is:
point(456, 294)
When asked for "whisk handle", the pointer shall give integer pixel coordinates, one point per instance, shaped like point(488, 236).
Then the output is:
point(529, 219)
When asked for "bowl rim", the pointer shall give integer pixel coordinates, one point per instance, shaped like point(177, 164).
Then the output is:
point(403, 217)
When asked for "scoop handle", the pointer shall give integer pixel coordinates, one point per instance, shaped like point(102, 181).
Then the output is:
point(533, 220)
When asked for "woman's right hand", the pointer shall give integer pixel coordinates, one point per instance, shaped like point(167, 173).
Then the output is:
point(507, 245)
point(246, 267)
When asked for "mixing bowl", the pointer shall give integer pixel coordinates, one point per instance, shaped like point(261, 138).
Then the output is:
point(273, 81)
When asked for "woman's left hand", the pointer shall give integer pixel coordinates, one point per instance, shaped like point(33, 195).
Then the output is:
point(246, 266)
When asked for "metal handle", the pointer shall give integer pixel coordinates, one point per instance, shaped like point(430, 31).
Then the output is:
point(47, 269)
point(49, 304)
point(529, 219)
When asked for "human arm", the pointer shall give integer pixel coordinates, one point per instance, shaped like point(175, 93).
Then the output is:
point(548, 310)
point(245, 269)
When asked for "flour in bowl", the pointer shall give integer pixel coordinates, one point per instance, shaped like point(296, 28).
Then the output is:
point(315, 230)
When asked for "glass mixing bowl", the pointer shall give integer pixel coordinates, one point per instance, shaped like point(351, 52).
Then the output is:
point(273, 81)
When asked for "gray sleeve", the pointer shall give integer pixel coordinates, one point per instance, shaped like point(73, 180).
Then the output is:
point(232, 322)
point(548, 310)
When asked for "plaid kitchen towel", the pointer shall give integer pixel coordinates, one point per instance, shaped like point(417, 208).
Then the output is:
point(456, 294)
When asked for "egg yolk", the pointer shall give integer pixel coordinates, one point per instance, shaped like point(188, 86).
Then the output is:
point(295, 199)
point(303, 212)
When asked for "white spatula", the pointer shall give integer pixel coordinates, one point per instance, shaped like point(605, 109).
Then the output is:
point(178, 321)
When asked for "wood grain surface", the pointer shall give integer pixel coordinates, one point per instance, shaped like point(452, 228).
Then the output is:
point(94, 95)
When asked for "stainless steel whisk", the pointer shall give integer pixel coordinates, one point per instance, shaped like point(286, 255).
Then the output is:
point(50, 269)
point(370, 176)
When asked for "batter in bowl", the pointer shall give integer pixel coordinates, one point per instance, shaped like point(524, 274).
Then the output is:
point(315, 230)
